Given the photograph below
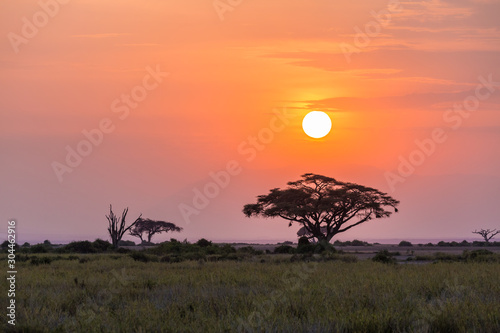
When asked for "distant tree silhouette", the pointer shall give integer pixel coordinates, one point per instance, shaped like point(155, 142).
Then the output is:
point(487, 234)
point(323, 206)
point(150, 227)
point(116, 227)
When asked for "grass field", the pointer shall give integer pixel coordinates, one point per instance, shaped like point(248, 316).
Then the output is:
point(264, 293)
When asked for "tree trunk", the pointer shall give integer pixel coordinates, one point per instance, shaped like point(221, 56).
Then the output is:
point(329, 237)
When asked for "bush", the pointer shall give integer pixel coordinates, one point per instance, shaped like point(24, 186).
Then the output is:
point(385, 257)
point(101, 245)
point(228, 249)
point(39, 248)
point(79, 247)
point(141, 256)
point(480, 256)
point(405, 243)
point(178, 248)
point(126, 243)
point(441, 256)
point(304, 241)
point(305, 248)
point(284, 249)
point(249, 250)
point(203, 243)
point(355, 242)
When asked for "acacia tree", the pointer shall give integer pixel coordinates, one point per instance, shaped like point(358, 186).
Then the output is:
point(116, 227)
point(150, 227)
point(323, 206)
point(487, 234)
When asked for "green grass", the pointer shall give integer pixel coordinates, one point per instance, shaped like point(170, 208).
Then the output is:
point(263, 293)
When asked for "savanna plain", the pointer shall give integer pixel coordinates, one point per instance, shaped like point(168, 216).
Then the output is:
point(205, 287)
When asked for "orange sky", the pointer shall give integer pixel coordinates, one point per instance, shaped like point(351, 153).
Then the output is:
point(66, 67)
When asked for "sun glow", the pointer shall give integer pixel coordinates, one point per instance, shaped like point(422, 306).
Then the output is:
point(317, 124)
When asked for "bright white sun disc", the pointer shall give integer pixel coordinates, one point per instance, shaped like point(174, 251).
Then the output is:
point(317, 124)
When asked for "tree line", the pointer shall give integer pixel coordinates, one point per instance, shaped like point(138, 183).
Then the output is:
point(322, 206)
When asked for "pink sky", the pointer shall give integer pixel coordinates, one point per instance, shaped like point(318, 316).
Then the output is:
point(67, 67)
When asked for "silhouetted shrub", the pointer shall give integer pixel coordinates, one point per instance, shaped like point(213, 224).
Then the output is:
point(203, 242)
point(385, 257)
point(304, 241)
point(141, 256)
point(39, 248)
point(126, 243)
point(284, 249)
point(79, 247)
point(249, 250)
point(305, 248)
point(101, 245)
point(441, 256)
point(482, 255)
point(228, 249)
point(355, 242)
point(405, 243)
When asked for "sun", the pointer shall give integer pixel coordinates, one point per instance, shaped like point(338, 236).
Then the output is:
point(317, 124)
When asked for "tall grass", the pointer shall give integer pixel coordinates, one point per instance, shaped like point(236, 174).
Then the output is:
point(115, 293)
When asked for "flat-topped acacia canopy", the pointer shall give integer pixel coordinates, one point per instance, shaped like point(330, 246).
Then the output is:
point(324, 206)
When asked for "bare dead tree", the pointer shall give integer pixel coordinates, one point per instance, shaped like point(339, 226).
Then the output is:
point(487, 234)
point(116, 227)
